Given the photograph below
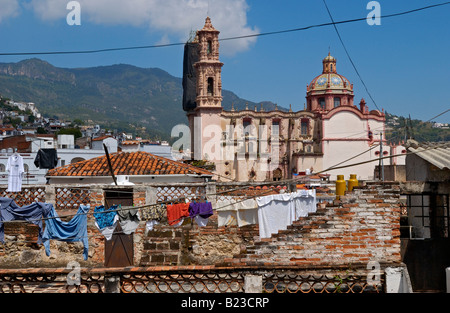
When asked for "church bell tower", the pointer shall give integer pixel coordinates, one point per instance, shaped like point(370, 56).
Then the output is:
point(208, 68)
point(208, 102)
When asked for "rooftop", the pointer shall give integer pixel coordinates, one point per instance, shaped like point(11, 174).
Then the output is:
point(437, 153)
point(128, 163)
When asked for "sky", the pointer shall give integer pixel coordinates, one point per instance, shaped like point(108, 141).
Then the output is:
point(404, 62)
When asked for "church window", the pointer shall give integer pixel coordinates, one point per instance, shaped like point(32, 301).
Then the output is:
point(210, 86)
point(209, 47)
point(331, 67)
point(275, 128)
point(246, 123)
point(322, 103)
point(304, 127)
point(337, 102)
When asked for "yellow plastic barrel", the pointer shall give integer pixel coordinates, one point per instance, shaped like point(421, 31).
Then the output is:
point(352, 182)
point(340, 186)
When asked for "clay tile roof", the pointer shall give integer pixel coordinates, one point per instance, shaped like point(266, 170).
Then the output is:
point(130, 142)
point(128, 163)
point(102, 138)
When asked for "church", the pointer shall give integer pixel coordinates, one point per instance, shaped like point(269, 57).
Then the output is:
point(258, 145)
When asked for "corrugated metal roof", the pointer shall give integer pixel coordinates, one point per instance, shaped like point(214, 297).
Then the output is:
point(436, 153)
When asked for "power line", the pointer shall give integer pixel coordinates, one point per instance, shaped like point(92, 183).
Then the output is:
point(222, 39)
point(348, 55)
point(282, 182)
point(262, 192)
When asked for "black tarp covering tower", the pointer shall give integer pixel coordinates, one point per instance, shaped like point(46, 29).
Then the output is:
point(189, 76)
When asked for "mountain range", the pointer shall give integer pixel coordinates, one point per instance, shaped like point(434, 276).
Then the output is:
point(146, 101)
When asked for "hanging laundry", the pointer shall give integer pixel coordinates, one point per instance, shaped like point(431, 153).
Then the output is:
point(106, 219)
point(46, 159)
point(15, 170)
point(237, 212)
point(200, 212)
point(153, 215)
point(33, 213)
point(176, 213)
point(150, 224)
point(128, 219)
point(155, 212)
point(71, 231)
point(275, 213)
point(305, 202)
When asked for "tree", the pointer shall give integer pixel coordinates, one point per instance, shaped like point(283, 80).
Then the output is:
point(70, 131)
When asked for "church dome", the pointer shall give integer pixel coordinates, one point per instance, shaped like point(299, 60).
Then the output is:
point(330, 79)
point(329, 90)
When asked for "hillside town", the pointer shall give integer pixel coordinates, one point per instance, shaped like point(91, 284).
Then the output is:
point(253, 201)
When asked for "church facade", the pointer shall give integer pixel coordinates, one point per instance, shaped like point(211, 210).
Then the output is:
point(258, 145)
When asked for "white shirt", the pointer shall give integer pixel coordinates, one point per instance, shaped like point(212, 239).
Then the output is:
point(15, 169)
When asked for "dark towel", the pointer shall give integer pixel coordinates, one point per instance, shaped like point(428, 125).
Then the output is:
point(46, 158)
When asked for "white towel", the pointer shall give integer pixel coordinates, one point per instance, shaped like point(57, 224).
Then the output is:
point(275, 213)
point(236, 212)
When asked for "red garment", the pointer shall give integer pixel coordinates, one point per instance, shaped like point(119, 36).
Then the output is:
point(176, 212)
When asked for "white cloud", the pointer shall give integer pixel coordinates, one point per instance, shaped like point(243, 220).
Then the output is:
point(174, 18)
point(8, 8)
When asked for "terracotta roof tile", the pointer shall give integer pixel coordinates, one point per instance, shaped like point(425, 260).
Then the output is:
point(130, 142)
point(127, 163)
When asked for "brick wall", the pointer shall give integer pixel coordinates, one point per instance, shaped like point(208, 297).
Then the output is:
point(363, 226)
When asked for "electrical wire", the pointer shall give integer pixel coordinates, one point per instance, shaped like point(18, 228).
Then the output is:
point(222, 39)
point(280, 183)
point(348, 55)
point(262, 184)
point(289, 181)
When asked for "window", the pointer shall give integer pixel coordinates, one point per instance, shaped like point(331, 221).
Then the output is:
point(276, 128)
point(425, 216)
point(304, 127)
point(337, 102)
point(2, 168)
point(75, 160)
point(209, 47)
point(246, 123)
point(322, 103)
point(210, 86)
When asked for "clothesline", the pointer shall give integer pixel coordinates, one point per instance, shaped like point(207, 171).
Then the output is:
point(125, 208)
point(143, 206)
point(262, 193)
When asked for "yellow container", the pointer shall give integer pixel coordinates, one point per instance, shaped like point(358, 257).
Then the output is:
point(352, 182)
point(340, 186)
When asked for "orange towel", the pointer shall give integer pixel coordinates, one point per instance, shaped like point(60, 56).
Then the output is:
point(176, 212)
